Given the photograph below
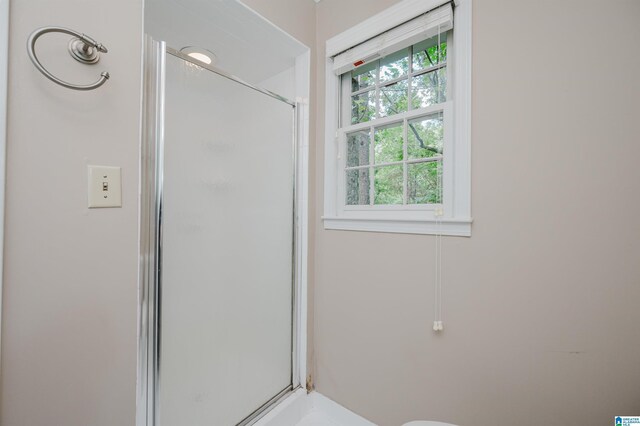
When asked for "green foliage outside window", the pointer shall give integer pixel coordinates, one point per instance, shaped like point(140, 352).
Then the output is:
point(425, 84)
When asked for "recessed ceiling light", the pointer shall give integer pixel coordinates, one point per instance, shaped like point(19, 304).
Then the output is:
point(199, 54)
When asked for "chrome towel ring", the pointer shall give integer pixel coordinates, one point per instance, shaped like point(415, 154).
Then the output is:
point(82, 48)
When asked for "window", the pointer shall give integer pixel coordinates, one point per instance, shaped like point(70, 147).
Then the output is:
point(397, 156)
point(393, 140)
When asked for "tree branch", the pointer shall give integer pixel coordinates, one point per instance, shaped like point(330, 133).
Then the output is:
point(413, 130)
point(428, 57)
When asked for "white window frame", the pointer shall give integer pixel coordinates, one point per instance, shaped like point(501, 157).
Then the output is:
point(419, 219)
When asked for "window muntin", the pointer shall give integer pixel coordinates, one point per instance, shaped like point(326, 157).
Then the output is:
point(396, 162)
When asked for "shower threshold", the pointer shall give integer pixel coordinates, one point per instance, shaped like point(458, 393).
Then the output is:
point(310, 409)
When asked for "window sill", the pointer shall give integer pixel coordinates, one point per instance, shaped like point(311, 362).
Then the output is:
point(452, 227)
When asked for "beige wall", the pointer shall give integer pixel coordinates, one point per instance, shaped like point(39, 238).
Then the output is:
point(70, 281)
point(293, 16)
point(540, 304)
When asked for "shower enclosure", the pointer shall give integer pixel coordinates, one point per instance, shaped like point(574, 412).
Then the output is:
point(221, 245)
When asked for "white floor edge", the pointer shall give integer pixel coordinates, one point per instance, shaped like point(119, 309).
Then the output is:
point(314, 409)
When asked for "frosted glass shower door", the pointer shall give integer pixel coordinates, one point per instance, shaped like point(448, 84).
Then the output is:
point(227, 243)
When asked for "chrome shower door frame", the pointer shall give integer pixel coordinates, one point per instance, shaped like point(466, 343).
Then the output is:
point(4, 79)
point(150, 286)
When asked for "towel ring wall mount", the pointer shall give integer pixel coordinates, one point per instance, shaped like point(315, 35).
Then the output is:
point(82, 48)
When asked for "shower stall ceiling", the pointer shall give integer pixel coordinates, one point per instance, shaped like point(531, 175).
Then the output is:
point(245, 44)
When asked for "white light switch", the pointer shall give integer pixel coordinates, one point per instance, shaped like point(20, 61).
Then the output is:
point(104, 186)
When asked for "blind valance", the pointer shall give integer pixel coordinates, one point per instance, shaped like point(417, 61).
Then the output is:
point(411, 32)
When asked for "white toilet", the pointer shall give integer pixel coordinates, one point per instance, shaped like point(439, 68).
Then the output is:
point(426, 423)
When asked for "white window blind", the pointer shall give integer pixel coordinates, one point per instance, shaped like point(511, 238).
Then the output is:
point(418, 29)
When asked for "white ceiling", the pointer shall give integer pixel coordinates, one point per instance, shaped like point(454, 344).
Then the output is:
point(244, 43)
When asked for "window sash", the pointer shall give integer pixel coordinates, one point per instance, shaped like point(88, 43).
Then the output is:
point(346, 93)
point(446, 158)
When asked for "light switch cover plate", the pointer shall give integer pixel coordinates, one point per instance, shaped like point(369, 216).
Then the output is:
point(105, 186)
